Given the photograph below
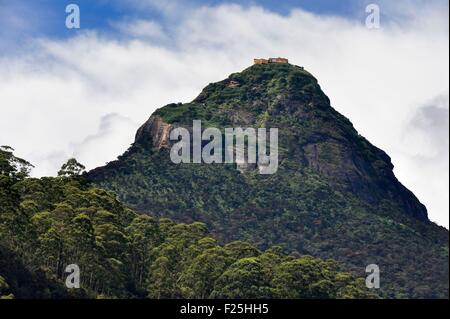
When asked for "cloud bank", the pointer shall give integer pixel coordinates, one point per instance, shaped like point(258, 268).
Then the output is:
point(85, 96)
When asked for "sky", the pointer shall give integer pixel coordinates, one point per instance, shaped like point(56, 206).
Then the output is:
point(84, 92)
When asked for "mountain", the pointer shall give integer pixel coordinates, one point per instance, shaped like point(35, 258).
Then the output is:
point(334, 194)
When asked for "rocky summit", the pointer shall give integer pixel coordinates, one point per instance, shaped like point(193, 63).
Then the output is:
point(334, 194)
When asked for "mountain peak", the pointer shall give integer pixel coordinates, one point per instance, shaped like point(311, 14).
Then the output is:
point(250, 97)
point(315, 135)
point(331, 184)
point(260, 80)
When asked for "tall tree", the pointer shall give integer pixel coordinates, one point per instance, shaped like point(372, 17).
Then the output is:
point(71, 168)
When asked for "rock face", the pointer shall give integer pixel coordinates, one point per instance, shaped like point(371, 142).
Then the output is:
point(334, 195)
point(154, 133)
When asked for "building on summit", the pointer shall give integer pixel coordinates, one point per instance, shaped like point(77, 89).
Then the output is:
point(261, 61)
point(270, 60)
point(278, 60)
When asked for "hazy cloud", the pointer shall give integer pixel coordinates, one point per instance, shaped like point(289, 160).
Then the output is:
point(115, 131)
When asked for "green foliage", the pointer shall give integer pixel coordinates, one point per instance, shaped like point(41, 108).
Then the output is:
point(71, 168)
point(4, 288)
point(334, 194)
point(298, 210)
point(11, 166)
point(50, 223)
point(245, 278)
point(18, 281)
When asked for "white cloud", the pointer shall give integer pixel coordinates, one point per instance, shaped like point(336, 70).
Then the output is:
point(115, 131)
point(54, 99)
point(141, 29)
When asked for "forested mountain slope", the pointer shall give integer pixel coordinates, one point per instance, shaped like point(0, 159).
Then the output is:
point(334, 194)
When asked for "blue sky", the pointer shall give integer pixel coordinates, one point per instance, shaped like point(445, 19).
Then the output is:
point(21, 19)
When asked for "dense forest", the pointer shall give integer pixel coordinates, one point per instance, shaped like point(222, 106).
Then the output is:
point(51, 222)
